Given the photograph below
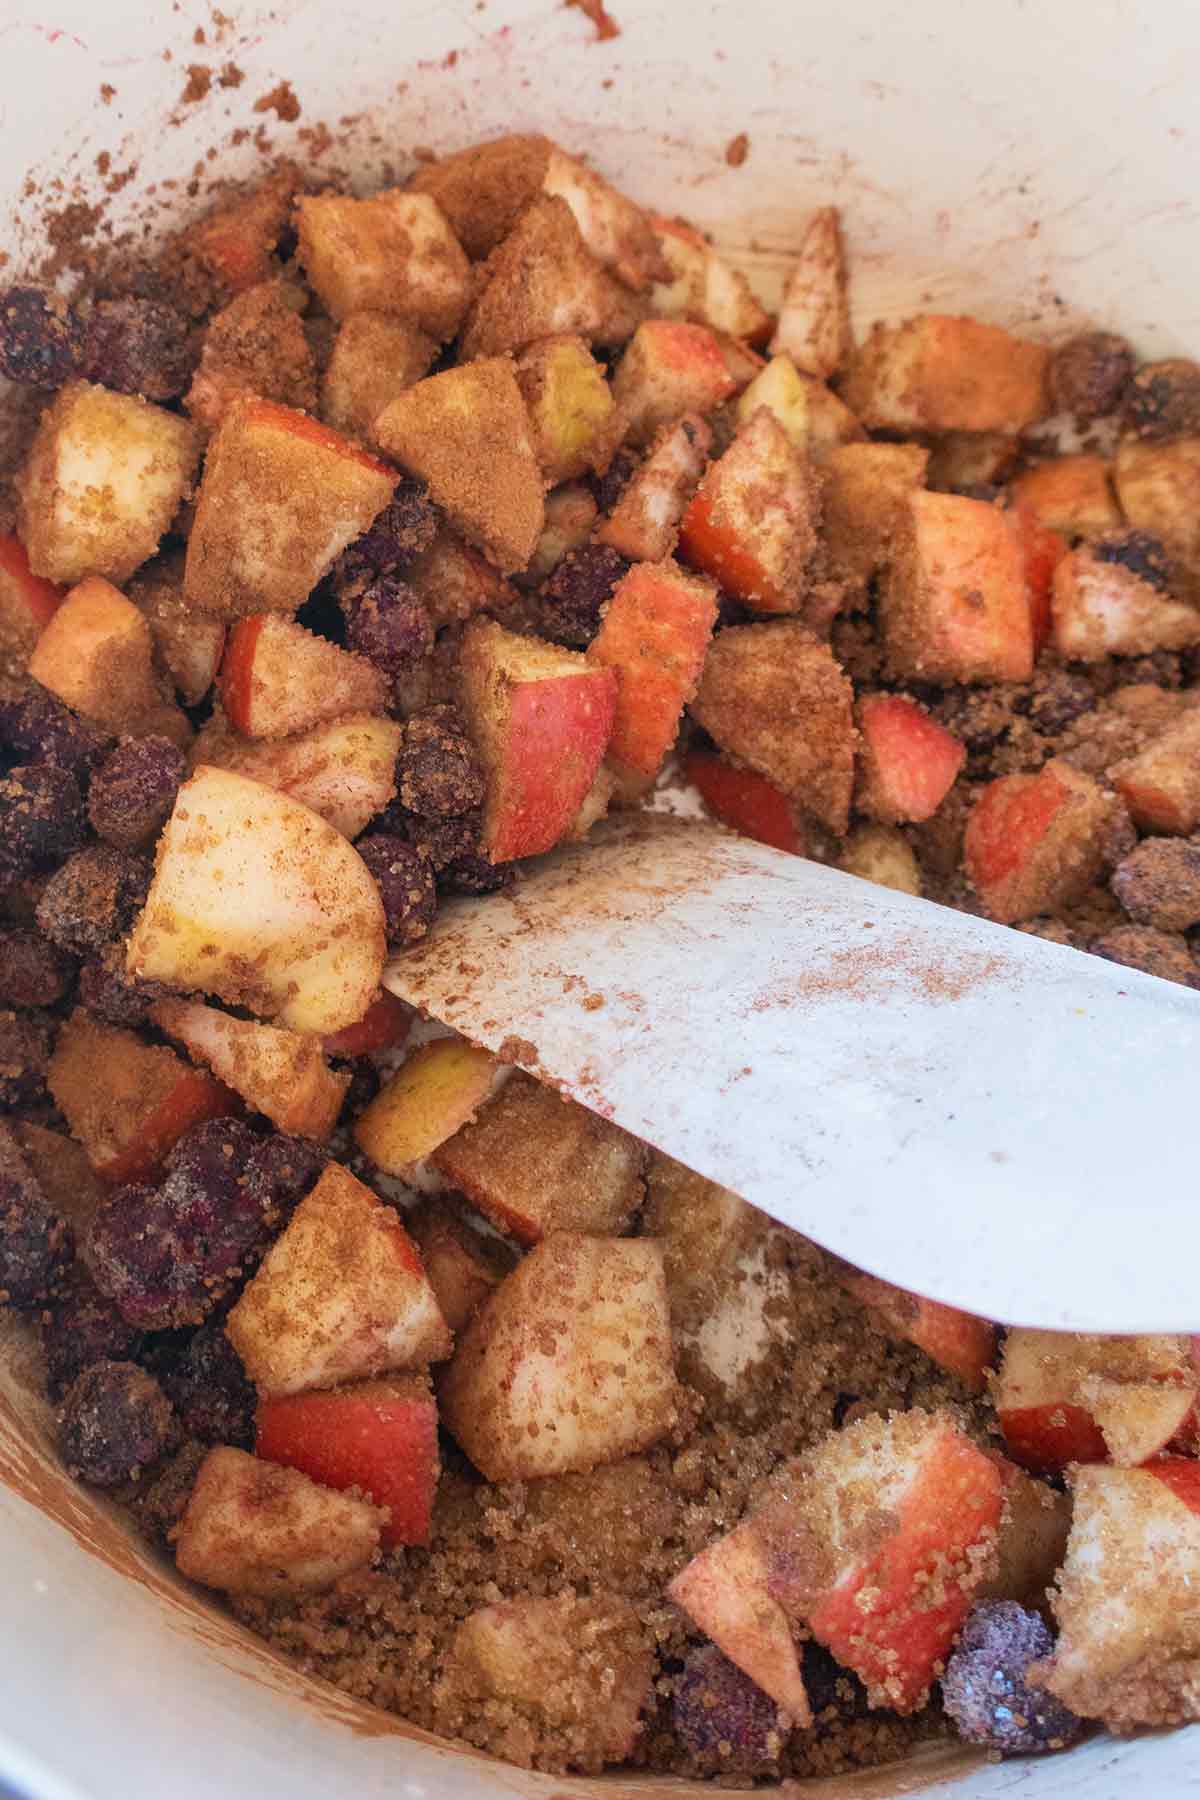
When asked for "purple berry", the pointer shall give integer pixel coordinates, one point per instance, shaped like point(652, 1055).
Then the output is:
point(406, 887)
point(474, 874)
point(41, 819)
point(93, 899)
point(986, 1690)
point(287, 1167)
point(437, 769)
point(719, 1712)
point(134, 789)
point(82, 1327)
point(139, 347)
point(114, 1422)
point(209, 1389)
point(113, 995)
point(40, 338)
point(572, 598)
point(33, 972)
point(36, 724)
point(390, 626)
point(167, 1255)
point(405, 527)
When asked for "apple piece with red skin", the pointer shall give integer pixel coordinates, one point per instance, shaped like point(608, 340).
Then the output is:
point(27, 601)
point(235, 243)
point(959, 1342)
point(907, 761)
point(814, 317)
point(954, 604)
point(1128, 1649)
point(669, 368)
point(726, 1591)
point(654, 635)
point(377, 1437)
point(1049, 1384)
point(282, 496)
point(876, 1539)
point(340, 1296)
point(746, 802)
point(753, 524)
point(535, 1163)
point(127, 1101)
point(644, 523)
point(436, 1089)
point(277, 1073)
point(252, 1527)
point(1034, 842)
point(259, 902)
point(277, 679)
point(541, 718)
point(1043, 550)
point(345, 771)
point(1161, 784)
point(384, 1026)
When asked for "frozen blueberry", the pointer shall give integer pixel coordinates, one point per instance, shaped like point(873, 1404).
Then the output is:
point(41, 819)
point(93, 899)
point(33, 972)
point(1164, 400)
point(437, 769)
point(82, 1327)
point(134, 789)
point(209, 1389)
point(986, 1690)
point(718, 1711)
point(474, 874)
point(406, 887)
point(440, 841)
point(114, 1422)
point(139, 347)
point(287, 1167)
point(35, 1243)
point(40, 729)
point(41, 340)
point(405, 527)
point(167, 1255)
point(113, 995)
point(389, 624)
point(572, 598)
point(829, 1684)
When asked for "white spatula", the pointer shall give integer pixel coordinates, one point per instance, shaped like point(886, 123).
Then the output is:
point(973, 1113)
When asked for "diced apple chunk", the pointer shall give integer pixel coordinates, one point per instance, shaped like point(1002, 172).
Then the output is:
point(437, 1088)
point(568, 1364)
point(104, 479)
point(1032, 1540)
point(340, 1296)
point(258, 901)
point(669, 368)
point(1111, 598)
point(466, 434)
point(534, 1163)
point(543, 281)
point(1128, 1650)
point(282, 496)
point(255, 345)
point(703, 286)
point(957, 1341)
point(813, 417)
point(276, 1072)
point(455, 582)
point(97, 655)
point(278, 679)
point(27, 603)
point(1034, 842)
point(1064, 1397)
point(746, 802)
point(753, 524)
point(541, 718)
point(127, 1101)
point(867, 488)
point(376, 1437)
point(654, 635)
point(939, 373)
point(570, 516)
point(1158, 487)
point(235, 242)
point(644, 523)
point(252, 1527)
point(954, 604)
point(882, 854)
point(814, 317)
point(582, 1666)
point(346, 771)
point(908, 762)
point(374, 358)
point(189, 644)
point(392, 253)
point(571, 408)
point(1161, 785)
point(615, 230)
point(1071, 494)
point(774, 697)
point(463, 1265)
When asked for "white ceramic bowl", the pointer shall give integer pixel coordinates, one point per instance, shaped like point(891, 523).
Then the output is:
point(1036, 165)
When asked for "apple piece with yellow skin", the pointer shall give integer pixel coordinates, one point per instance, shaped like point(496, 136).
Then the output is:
point(437, 1088)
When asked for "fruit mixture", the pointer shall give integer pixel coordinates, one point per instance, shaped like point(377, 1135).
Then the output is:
point(362, 548)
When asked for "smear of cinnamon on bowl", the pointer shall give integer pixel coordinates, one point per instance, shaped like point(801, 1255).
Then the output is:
point(602, 19)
